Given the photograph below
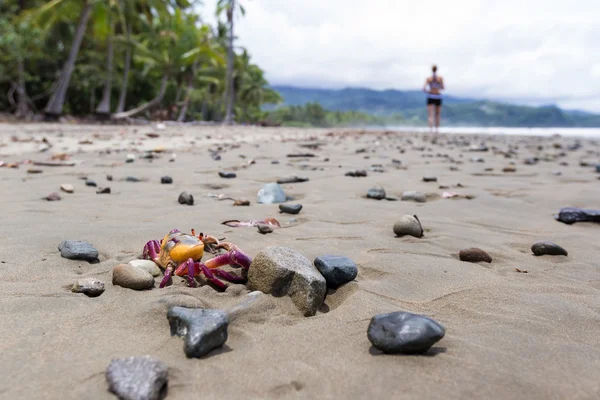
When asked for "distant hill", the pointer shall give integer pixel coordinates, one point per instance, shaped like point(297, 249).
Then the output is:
point(457, 111)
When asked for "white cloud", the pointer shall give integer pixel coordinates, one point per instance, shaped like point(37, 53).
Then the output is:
point(532, 51)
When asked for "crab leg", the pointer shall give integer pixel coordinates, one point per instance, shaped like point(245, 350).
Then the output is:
point(167, 277)
point(227, 275)
point(151, 250)
point(209, 276)
point(234, 257)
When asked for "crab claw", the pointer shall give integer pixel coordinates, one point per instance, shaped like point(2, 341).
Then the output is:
point(234, 257)
point(151, 250)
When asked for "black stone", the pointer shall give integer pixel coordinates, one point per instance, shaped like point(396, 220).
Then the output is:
point(166, 180)
point(78, 250)
point(290, 208)
point(132, 179)
point(296, 155)
point(403, 332)
point(137, 378)
point(336, 270)
point(377, 193)
point(361, 173)
point(203, 330)
point(292, 179)
point(227, 175)
point(186, 198)
point(570, 215)
point(429, 179)
point(548, 248)
point(109, 177)
point(90, 183)
point(105, 190)
point(264, 228)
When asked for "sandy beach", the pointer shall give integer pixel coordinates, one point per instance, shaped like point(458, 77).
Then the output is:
point(509, 334)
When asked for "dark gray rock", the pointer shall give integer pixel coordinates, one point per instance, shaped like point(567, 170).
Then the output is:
point(292, 179)
point(186, 198)
point(337, 270)
point(403, 332)
point(548, 248)
point(91, 287)
point(359, 173)
point(90, 183)
point(430, 179)
point(78, 250)
point(408, 225)
point(474, 255)
point(109, 177)
point(597, 167)
point(137, 378)
point(271, 193)
point(166, 180)
point(264, 228)
point(130, 277)
point(105, 190)
point(570, 215)
point(202, 330)
point(282, 271)
point(377, 193)
point(132, 179)
point(290, 208)
point(227, 174)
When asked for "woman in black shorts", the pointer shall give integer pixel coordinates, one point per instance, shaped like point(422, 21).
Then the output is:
point(433, 87)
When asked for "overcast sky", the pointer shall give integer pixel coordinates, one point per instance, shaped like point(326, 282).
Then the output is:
point(526, 51)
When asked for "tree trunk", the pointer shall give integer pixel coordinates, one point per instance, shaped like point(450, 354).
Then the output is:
point(57, 100)
point(230, 61)
point(123, 95)
point(22, 107)
point(104, 106)
point(150, 104)
point(188, 93)
point(92, 99)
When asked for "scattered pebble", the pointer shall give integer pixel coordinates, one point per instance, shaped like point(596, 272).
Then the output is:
point(403, 332)
point(391, 198)
point(303, 155)
point(271, 193)
point(132, 179)
point(91, 287)
point(67, 188)
point(411, 195)
point(186, 198)
point(227, 175)
point(147, 265)
point(109, 177)
point(360, 173)
point(430, 179)
point(173, 157)
point(166, 180)
point(570, 215)
point(290, 208)
point(203, 330)
point(34, 171)
point(283, 271)
point(130, 277)
point(130, 158)
point(292, 179)
point(52, 197)
point(337, 270)
point(509, 169)
point(531, 161)
point(548, 248)
point(408, 225)
point(556, 173)
point(105, 190)
point(474, 255)
point(78, 250)
point(90, 183)
point(264, 228)
point(377, 193)
point(137, 378)
point(241, 203)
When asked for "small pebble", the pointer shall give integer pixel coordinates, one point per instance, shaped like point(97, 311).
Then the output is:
point(109, 177)
point(147, 265)
point(137, 378)
point(403, 332)
point(241, 203)
point(67, 188)
point(264, 228)
point(90, 183)
point(52, 197)
point(173, 157)
point(186, 198)
point(166, 180)
point(78, 250)
point(130, 277)
point(391, 198)
point(34, 171)
point(408, 225)
point(132, 179)
point(91, 287)
point(509, 169)
point(414, 196)
point(227, 175)
point(105, 190)
point(430, 179)
point(203, 330)
point(130, 158)
point(290, 208)
point(474, 255)
point(337, 270)
point(292, 179)
point(361, 173)
point(377, 193)
point(548, 248)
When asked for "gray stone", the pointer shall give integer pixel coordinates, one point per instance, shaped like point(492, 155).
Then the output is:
point(132, 179)
point(264, 228)
point(90, 183)
point(377, 193)
point(227, 175)
point(290, 208)
point(403, 332)
point(105, 190)
point(130, 277)
point(271, 193)
point(137, 378)
point(166, 180)
point(337, 270)
point(78, 250)
point(186, 198)
point(360, 173)
point(282, 271)
point(91, 287)
point(202, 330)
point(474, 255)
point(412, 195)
point(548, 248)
point(292, 179)
point(52, 197)
point(408, 225)
point(429, 179)
point(597, 167)
point(147, 265)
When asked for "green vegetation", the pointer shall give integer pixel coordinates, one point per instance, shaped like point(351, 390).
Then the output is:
point(126, 58)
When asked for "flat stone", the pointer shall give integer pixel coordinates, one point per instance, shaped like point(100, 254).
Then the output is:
point(430, 179)
point(570, 215)
point(282, 271)
point(509, 169)
point(90, 183)
point(474, 255)
point(132, 179)
point(227, 175)
point(137, 378)
point(53, 197)
point(408, 225)
point(67, 188)
point(337, 270)
point(91, 287)
point(264, 228)
point(403, 332)
point(271, 193)
point(290, 208)
point(166, 180)
point(186, 198)
point(105, 190)
point(147, 265)
point(130, 277)
point(78, 250)
point(360, 173)
point(377, 193)
point(292, 179)
point(202, 330)
point(412, 195)
point(548, 248)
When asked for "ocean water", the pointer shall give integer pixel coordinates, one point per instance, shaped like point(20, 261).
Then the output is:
point(567, 132)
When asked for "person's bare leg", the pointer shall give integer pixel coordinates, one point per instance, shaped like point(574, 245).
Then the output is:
point(430, 115)
point(438, 113)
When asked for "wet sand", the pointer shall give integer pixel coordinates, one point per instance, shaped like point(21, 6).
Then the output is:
point(508, 334)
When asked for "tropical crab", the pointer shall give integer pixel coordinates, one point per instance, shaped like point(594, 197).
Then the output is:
point(181, 253)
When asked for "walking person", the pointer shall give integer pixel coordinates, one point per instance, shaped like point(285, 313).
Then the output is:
point(433, 87)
